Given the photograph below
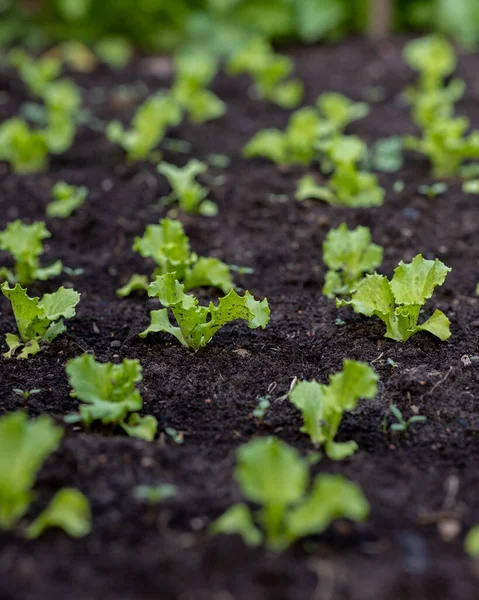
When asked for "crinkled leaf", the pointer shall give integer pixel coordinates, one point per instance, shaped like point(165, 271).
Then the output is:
point(143, 428)
point(414, 283)
point(209, 272)
point(136, 283)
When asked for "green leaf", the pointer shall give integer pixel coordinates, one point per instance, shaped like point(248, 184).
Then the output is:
point(67, 198)
point(433, 56)
point(209, 272)
point(438, 324)
point(471, 543)
point(238, 519)
point(195, 329)
point(24, 446)
point(340, 111)
point(136, 283)
point(109, 392)
point(269, 144)
point(185, 190)
point(307, 396)
point(414, 283)
point(349, 254)
point(115, 51)
point(309, 189)
point(332, 497)
point(154, 493)
point(69, 510)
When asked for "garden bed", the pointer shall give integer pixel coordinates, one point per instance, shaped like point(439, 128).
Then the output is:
point(422, 487)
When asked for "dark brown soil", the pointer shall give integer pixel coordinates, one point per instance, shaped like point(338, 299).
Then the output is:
point(136, 551)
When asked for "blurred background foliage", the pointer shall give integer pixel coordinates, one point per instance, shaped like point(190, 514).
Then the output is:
point(159, 25)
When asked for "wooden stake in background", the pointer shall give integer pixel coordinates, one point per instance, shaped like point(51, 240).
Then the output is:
point(380, 18)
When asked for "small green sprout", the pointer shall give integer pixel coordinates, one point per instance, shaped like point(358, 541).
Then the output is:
point(25, 394)
point(36, 74)
point(471, 186)
point(198, 324)
point(194, 71)
point(38, 321)
point(67, 198)
point(348, 256)
point(402, 426)
point(115, 51)
point(433, 190)
point(323, 406)
point(261, 408)
point(109, 394)
point(148, 126)
point(189, 194)
point(25, 243)
point(274, 475)
point(24, 447)
point(269, 72)
point(154, 494)
point(386, 154)
point(398, 302)
point(471, 543)
point(175, 435)
point(169, 247)
point(295, 146)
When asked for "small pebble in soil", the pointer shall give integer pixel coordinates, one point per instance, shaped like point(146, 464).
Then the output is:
point(115, 344)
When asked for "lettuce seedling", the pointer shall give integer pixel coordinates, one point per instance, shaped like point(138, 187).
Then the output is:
point(446, 145)
point(323, 406)
point(24, 242)
point(114, 51)
point(295, 146)
point(193, 73)
point(189, 194)
point(347, 186)
point(109, 393)
point(62, 101)
point(274, 475)
point(148, 126)
point(269, 72)
point(38, 321)
point(66, 199)
point(339, 111)
point(433, 56)
point(169, 247)
point(37, 74)
point(198, 324)
point(398, 302)
point(348, 256)
point(24, 446)
point(25, 149)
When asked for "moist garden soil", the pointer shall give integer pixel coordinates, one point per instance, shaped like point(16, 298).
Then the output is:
point(422, 487)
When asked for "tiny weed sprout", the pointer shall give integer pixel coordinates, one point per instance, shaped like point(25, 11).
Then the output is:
point(25, 394)
point(398, 302)
point(38, 321)
point(153, 494)
point(36, 74)
point(194, 71)
point(25, 445)
point(25, 244)
point(169, 247)
point(323, 406)
point(262, 407)
point(148, 127)
point(66, 199)
point(189, 194)
point(347, 186)
point(401, 425)
point(471, 543)
point(348, 256)
point(109, 394)
point(433, 190)
point(274, 475)
point(269, 72)
point(198, 324)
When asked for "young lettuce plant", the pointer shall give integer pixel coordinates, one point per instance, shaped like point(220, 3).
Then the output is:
point(274, 475)
point(323, 406)
point(269, 72)
point(24, 447)
point(66, 199)
point(37, 74)
point(24, 148)
point(398, 302)
point(348, 256)
point(434, 58)
point(62, 100)
point(169, 247)
point(198, 324)
point(339, 111)
point(38, 321)
point(24, 242)
point(194, 71)
point(148, 126)
point(347, 186)
point(295, 146)
point(189, 194)
point(109, 394)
